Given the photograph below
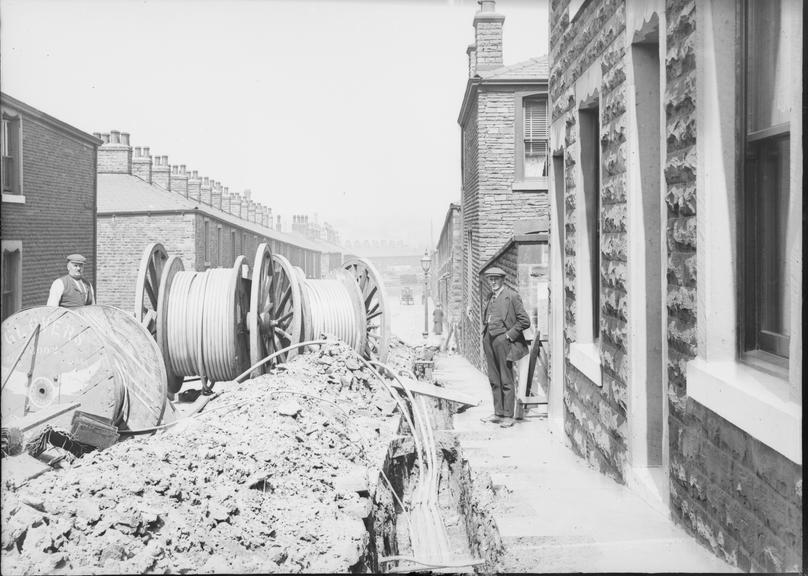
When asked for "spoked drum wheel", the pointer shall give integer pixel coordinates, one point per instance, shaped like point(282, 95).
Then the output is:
point(147, 286)
point(259, 318)
point(286, 318)
point(172, 266)
point(377, 327)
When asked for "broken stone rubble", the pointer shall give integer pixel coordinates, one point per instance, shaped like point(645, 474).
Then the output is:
point(271, 482)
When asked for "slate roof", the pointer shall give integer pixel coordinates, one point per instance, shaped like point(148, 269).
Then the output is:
point(127, 194)
point(537, 68)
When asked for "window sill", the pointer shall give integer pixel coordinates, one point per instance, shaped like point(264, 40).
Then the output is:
point(586, 358)
point(753, 400)
point(13, 198)
point(530, 185)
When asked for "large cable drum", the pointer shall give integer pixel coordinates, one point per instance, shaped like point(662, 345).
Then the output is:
point(373, 299)
point(97, 355)
point(199, 319)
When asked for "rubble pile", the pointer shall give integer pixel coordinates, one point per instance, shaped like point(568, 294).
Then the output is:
point(263, 480)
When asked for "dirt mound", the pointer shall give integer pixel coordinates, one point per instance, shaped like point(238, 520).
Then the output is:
point(275, 475)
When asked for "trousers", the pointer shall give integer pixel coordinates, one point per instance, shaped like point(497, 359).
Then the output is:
point(500, 373)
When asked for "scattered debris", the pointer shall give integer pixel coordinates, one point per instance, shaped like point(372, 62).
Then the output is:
point(275, 475)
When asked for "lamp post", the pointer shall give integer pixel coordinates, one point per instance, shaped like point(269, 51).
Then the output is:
point(425, 262)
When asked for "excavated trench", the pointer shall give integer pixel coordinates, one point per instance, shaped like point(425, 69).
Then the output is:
point(464, 502)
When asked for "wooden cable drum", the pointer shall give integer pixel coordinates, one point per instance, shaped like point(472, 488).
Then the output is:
point(260, 316)
point(285, 322)
point(97, 355)
point(374, 302)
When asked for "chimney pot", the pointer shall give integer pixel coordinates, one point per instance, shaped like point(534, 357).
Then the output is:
point(125, 138)
point(146, 151)
point(115, 137)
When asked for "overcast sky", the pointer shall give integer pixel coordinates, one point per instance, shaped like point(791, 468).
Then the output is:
point(347, 110)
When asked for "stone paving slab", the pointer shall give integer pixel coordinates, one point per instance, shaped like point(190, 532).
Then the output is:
point(554, 513)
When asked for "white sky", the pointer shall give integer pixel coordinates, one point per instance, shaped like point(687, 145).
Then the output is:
point(343, 109)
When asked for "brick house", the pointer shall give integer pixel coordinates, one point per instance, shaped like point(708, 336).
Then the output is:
point(503, 121)
point(48, 203)
point(142, 199)
point(447, 267)
point(676, 260)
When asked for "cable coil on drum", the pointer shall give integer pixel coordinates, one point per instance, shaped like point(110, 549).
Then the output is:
point(334, 308)
point(199, 317)
point(214, 324)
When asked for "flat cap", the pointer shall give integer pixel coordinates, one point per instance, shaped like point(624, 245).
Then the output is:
point(494, 271)
point(77, 258)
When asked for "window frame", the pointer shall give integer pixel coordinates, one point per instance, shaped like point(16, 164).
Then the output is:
point(15, 193)
point(9, 247)
point(585, 350)
point(520, 182)
point(760, 398)
point(205, 236)
point(752, 349)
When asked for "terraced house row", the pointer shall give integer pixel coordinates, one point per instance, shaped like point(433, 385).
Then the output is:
point(66, 191)
point(672, 262)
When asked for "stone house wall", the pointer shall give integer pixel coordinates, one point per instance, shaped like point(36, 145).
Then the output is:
point(595, 416)
point(736, 495)
point(491, 208)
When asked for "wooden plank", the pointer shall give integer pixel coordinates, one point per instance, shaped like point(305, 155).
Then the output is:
point(20, 469)
point(522, 367)
point(33, 419)
point(437, 392)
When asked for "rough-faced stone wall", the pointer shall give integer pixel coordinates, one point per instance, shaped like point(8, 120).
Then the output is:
point(734, 494)
point(595, 417)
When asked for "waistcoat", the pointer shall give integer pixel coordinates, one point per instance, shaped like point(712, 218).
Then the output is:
point(72, 297)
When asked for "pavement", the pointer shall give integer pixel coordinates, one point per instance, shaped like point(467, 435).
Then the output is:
point(553, 512)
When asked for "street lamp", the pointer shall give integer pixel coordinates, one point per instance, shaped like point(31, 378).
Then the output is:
point(425, 262)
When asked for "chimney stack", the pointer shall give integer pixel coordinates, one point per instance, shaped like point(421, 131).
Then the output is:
point(115, 154)
point(472, 54)
point(179, 180)
point(251, 211)
point(488, 36)
point(245, 211)
point(205, 190)
point(278, 226)
point(161, 172)
point(216, 195)
point(194, 186)
point(235, 204)
point(225, 199)
point(270, 221)
point(248, 194)
point(142, 164)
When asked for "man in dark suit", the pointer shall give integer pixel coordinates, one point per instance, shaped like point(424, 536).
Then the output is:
point(504, 319)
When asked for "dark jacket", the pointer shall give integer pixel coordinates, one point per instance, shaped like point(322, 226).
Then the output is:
point(507, 316)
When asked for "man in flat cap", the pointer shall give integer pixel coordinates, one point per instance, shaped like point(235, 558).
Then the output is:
point(72, 290)
point(504, 319)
